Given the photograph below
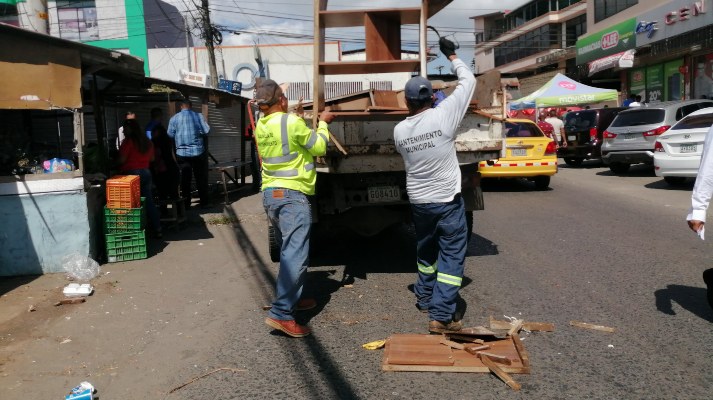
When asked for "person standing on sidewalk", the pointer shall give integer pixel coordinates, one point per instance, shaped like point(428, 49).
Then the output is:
point(287, 148)
point(700, 200)
point(189, 130)
point(426, 141)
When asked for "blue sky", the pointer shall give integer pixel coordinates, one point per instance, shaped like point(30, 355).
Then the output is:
point(285, 21)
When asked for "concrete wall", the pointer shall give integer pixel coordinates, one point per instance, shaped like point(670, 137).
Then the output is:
point(40, 229)
point(642, 7)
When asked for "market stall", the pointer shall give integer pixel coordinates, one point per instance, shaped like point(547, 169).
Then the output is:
point(561, 91)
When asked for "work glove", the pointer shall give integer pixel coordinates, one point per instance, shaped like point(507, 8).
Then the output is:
point(448, 48)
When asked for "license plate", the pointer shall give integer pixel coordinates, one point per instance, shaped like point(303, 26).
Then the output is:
point(688, 148)
point(518, 152)
point(379, 194)
point(571, 137)
point(628, 137)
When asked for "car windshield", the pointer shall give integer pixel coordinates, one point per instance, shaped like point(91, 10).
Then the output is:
point(522, 129)
point(580, 120)
point(695, 122)
point(639, 117)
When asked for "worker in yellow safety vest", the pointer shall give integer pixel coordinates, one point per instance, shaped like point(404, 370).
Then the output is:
point(287, 148)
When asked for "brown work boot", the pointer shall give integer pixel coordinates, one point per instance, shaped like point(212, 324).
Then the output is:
point(305, 304)
point(440, 327)
point(289, 327)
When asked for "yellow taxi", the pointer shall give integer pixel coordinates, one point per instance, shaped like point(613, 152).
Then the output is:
point(528, 154)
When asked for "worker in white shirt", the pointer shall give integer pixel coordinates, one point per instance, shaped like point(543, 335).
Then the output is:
point(426, 141)
point(700, 199)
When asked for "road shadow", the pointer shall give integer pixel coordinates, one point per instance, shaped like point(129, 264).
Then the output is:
point(8, 284)
point(636, 171)
point(693, 299)
point(508, 185)
point(480, 246)
point(662, 185)
point(586, 164)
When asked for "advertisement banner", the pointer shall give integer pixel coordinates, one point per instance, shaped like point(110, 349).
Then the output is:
point(673, 80)
point(654, 83)
point(625, 59)
point(637, 82)
point(615, 39)
point(703, 77)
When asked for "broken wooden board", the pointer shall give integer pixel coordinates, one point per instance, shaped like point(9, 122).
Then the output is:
point(594, 327)
point(499, 372)
point(425, 353)
point(528, 326)
point(477, 331)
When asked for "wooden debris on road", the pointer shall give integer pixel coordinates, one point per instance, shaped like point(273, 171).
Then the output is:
point(464, 338)
point(499, 372)
point(473, 349)
point(495, 357)
point(452, 344)
point(526, 325)
point(204, 375)
point(586, 325)
point(516, 326)
point(73, 300)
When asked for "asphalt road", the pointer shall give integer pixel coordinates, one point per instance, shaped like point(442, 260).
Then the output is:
point(599, 248)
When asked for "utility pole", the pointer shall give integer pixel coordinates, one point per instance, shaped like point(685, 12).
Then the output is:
point(188, 42)
point(208, 37)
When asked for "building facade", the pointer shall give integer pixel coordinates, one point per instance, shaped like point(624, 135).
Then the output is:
point(658, 49)
point(532, 42)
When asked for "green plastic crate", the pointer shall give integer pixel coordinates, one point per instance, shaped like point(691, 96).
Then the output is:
point(119, 220)
point(126, 246)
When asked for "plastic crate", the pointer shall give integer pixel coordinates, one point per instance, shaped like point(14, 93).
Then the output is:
point(126, 246)
point(118, 220)
point(123, 191)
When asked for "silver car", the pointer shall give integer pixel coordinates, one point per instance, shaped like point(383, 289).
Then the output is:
point(631, 137)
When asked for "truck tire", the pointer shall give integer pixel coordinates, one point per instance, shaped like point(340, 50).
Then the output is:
point(272, 242)
point(469, 224)
point(542, 182)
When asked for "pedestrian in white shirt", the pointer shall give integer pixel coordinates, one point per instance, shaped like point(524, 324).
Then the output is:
point(700, 199)
point(426, 141)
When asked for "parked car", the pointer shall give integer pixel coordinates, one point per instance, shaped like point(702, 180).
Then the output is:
point(631, 137)
point(528, 154)
point(677, 154)
point(584, 131)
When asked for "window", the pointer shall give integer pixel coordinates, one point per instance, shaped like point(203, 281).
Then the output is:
point(604, 9)
point(576, 27)
point(522, 129)
point(685, 110)
point(695, 122)
point(77, 20)
point(535, 41)
point(639, 117)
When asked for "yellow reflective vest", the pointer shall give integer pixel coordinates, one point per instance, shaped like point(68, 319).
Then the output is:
point(287, 148)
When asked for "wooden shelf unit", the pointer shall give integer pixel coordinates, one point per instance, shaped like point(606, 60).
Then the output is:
point(382, 28)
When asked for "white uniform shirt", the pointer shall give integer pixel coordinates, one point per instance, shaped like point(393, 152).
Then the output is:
point(426, 141)
point(558, 125)
point(703, 189)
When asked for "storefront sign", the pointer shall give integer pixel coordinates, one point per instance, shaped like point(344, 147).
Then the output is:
point(675, 18)
point(637, 82)
point(194, 78)
point(556, 55)
point(654, 83)
point(616, 39)
point(625, 59)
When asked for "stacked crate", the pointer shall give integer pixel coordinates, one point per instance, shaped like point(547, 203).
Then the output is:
point(124, 219)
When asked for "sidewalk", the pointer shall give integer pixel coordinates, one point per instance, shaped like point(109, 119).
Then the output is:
point(149, 326)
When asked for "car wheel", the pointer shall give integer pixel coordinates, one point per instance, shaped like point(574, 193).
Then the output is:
point(674, 180)
point(573, 162)
point(542, 182)
point(619, 168)
point(469, 224)
point(274, 246)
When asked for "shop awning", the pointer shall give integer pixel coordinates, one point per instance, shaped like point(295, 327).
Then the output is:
point(625, 59)
point(562, 91)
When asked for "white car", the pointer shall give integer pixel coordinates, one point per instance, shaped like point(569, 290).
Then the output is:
point(677, 153)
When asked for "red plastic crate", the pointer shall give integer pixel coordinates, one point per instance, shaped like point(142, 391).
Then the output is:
point(123, 191)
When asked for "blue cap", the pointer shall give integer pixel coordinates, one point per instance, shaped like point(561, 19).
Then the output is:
point(418, 88)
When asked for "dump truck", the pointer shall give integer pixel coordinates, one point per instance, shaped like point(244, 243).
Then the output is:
point(361, 181)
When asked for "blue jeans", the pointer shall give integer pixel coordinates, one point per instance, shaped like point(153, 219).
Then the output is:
point(441, 235)
point(147, 193)
point(290, 214)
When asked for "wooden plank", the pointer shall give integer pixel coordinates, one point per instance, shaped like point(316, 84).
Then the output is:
point(586, 325)
point(367, 67)
point(528, 326)
point(388, 98)
point(464, 338)
point(318, 57)
point(452, 344)
point(383, 37)
point(499, 324)
point(522, 353)
point(462, 360)
point(474, 349)
point(351, 18)
point(516, 326)
point(495, 357)
point(500, 373)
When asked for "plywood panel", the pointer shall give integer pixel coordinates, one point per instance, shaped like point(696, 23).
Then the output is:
point(403, 352)
point(369, 67)
point(383, 37)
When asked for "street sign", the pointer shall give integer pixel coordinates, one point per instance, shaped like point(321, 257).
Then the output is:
point(230, 86)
